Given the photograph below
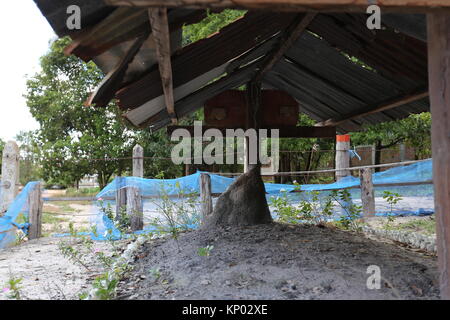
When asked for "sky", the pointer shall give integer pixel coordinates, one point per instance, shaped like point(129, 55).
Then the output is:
point(24, 36)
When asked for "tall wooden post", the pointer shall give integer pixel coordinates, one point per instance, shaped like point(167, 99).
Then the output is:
point(367, 192)
point(35, 205)
point(135, 208)
point(121, 197)
point(138, 161)
point(205, 195)
point(439, 88)
point(10, 176)
point(253, 121)
point(342, 156)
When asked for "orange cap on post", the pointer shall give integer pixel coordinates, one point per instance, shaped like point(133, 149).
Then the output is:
point(343, 138)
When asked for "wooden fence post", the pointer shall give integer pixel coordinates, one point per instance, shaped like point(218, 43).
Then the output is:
point(35, 204)
point(10, 176)
point(367, 192)
point(439, 88)
point(138, 161)
point(342, 156)
point(121, 197)
point(205, 195)
point(135, 208)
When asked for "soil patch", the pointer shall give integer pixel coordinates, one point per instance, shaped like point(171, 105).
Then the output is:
point(278, 261)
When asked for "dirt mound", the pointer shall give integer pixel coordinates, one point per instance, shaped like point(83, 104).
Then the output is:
point(278, 261)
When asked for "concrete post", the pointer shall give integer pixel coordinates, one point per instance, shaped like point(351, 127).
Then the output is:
point(342, 156)
point(10, 175)
point(138, 161)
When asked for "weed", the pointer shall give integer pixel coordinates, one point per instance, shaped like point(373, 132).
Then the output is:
point(205, 252)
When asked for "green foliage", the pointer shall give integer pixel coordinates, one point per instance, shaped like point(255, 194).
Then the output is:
point(205, 252)
point(414, 131)
point(319, 209)
point(13, 288)
point(211, 24)
point(175, 213)
point(315, 155)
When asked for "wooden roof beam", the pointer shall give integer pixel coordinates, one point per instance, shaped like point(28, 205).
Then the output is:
point(160, 30)
point(111, 83)
point(123, 24)
point(375, 109)
point(296, 5)
point(287, 40)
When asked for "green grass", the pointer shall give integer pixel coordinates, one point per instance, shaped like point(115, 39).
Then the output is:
point(84, 192)
point(426, 226)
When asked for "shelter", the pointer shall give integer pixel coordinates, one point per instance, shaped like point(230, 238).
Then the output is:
point(319, 51)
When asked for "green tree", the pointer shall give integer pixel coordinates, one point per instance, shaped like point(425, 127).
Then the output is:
point(414, 131)
point(73, 140)
point(211, 24)
point(30, 168)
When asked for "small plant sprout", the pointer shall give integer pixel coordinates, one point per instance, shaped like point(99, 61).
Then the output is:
point(205, 252)
point(12, 288)
point(155, 272)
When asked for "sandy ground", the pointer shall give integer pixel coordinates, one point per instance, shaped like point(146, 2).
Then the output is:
point(46, 274)
point(278, 262)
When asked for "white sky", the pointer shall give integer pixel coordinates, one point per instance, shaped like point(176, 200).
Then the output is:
point(24, 36)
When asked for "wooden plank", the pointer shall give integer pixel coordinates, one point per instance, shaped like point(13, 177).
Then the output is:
point(205, 195)
point(135, 209)
point(111, 83)
point(367, 193)
point(202, 56)
point(294, 5)
point(124, 24)
point(439, 78)
point(284, 132)
point(160, 31)
point(35, 205)
point(289, 37)
point(394, 103)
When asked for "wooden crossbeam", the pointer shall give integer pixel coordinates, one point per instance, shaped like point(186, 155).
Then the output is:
point(161, 34)
point(293, 5)
point(287, 40)
point(374, 109)
point(111, 83)
point(284, 132)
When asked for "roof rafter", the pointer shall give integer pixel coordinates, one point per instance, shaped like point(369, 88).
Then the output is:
point(204, 55)
point(420, 94)
point(287, 40)
point(160, 29)
point(111, 83)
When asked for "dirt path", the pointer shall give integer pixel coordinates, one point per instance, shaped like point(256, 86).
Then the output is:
point(45, 273)
point(279, 262)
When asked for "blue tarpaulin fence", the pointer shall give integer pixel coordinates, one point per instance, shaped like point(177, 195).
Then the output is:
point(420, 172)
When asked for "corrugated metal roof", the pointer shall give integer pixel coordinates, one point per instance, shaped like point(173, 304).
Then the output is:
point(317, 70)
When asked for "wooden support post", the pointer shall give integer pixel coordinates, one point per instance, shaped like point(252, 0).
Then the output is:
point(35, 204)
point(367, 192)
point(439, 85)
point(138, 161)
point(205, 195)
point(121, 197)
point(10, 176)
point(342, 156)
point(135, 208)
